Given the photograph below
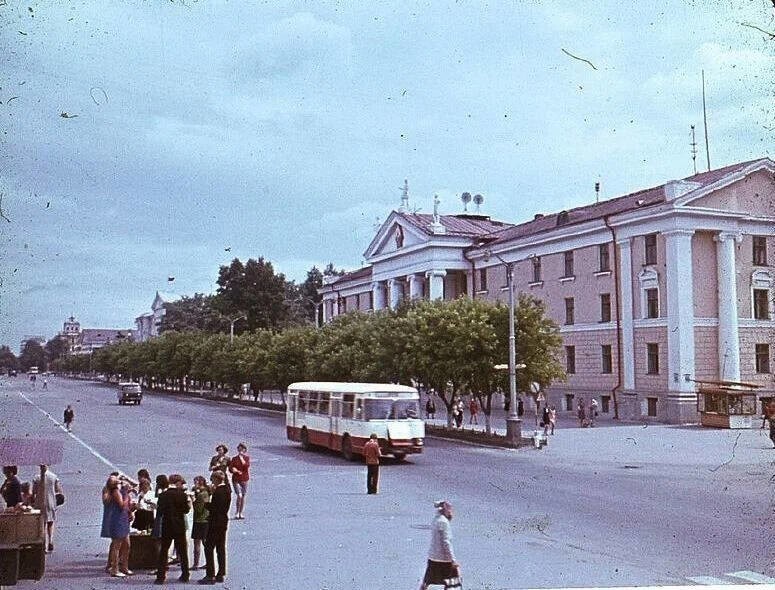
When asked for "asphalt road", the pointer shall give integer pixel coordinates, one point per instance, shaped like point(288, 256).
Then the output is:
point(523, 519)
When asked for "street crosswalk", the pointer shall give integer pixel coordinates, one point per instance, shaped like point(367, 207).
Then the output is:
point(732, 578)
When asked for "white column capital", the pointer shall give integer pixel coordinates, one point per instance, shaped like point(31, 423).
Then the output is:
point(729, 236)
point(436, 273)
point(679, 232)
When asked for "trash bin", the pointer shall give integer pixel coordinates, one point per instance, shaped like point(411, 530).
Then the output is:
point(143, 552)
point(32, 561)
point(9, 566)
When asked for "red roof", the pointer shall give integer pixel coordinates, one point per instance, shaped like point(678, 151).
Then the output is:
point(457, 225)
point(637, 200)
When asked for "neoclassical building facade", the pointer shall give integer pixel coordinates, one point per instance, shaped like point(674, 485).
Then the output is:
point(653, 291)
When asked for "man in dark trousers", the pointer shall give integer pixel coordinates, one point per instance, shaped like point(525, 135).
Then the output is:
point(173, 506)
point(217, 523)
point(372, 454)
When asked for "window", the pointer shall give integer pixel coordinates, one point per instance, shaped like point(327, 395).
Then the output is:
point(569, 402)
point(762, 358)
point(537, 269)
point(760, 251)
point(651, 405)
point(568, 263)
point(761, 304)
point(323, 405)
point(605, 405)
point(370, 300)
point(605, 258)
point(343, 305)
point(652, 303)
point(651, 248)
point(606, 358)
point(569, 311)
point(605, 307)
point(653, 359)
point(570, 360)
point(482, 279)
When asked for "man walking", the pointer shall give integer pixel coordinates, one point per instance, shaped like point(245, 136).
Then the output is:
point(217, 524)
point(769, 414)
point(442, 565)
point(68, 417)
point(172, 507)
point(371, 454)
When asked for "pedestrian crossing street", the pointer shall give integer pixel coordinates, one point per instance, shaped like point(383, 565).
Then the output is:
point(732, 578)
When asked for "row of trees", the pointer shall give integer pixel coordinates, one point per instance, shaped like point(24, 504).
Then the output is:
point(451, 347)
point(254, 291)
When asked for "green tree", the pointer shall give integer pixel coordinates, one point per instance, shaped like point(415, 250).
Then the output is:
point(8, 359)
point(194, 314)
point(252, 289)
point(290, 357)
point(32, 355)
point(56, 348)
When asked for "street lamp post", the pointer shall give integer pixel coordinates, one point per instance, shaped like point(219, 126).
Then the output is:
point(231, 327)
point(513, 423)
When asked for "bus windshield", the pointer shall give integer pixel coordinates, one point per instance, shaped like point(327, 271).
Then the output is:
point(384, 409)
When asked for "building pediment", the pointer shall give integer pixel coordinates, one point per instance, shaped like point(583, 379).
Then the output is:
point(395, 235)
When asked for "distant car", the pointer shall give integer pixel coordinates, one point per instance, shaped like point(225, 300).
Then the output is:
point(12, 372)
point(129, 393)
point(33, 371)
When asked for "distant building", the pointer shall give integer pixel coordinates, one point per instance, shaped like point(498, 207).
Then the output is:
point(71, 333)
point(87, 340)
point(652, 290)
point(92, 339)
point(147, 325)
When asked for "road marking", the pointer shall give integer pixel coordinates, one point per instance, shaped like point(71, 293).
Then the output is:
point(70, 434)
point(754, 577)
point(708, 580)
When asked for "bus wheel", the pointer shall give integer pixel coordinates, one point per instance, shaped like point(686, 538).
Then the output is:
point(305, 440)
point(400, 456)
point(347, 448)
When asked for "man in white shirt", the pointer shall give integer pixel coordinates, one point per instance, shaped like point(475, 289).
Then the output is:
point(441, 556)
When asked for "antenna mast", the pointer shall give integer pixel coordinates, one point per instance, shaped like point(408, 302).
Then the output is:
point(597, 192)
point(404, 208)
point(694, 150)
point(705, 120)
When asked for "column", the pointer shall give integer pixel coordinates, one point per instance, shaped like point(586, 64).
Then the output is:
point(415, 286)
point(680, 310)
point(728, 335)
point(626, 314)
point(394, 286)
point(378, 295)
point(436, 281)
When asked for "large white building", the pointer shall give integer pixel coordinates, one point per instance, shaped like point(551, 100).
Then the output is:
point(652, 290)
point(147, 325)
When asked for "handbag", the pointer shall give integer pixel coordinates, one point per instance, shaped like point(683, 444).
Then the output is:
point(59, 498)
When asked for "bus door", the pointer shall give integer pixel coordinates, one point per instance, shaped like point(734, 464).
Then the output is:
point(336, 405)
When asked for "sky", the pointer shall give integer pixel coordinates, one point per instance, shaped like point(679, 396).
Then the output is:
point(147, 139)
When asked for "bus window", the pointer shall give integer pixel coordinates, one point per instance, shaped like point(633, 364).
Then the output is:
point(302, 403)
point(359, 409)
point(347, 405)
point(384, 409)
point(336, 406)
point(323, 404)
point(312, 402)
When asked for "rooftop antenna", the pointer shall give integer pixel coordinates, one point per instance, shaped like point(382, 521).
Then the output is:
point(705, 120)
point(478, 200)
point(466, 198)
point(694, 150)
point(597, 192)
point(404, 208)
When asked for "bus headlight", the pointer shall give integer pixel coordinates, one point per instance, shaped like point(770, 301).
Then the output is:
point(417, 442)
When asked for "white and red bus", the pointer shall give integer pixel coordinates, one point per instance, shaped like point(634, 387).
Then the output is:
point(342, 417)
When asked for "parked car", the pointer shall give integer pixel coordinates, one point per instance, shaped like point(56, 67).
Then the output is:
point(129, 393)
point(12, 372)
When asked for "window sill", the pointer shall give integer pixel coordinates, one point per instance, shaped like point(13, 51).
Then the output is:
point(504, 288)
point(482, 292)
point(536, 284)
point(567, 279)
point(603, 273)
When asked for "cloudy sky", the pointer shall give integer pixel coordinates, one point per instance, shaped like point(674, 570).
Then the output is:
point(139, 139)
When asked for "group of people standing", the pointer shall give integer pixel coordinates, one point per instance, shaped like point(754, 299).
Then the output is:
point(45, 494)
point(587, 415)
point(162, 513)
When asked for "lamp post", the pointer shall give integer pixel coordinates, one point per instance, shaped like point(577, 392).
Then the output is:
point(513, 423)
point(231, 326)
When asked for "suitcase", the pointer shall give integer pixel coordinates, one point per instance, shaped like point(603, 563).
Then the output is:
point(9, 566)
point(143, 552)
point(32, 561)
